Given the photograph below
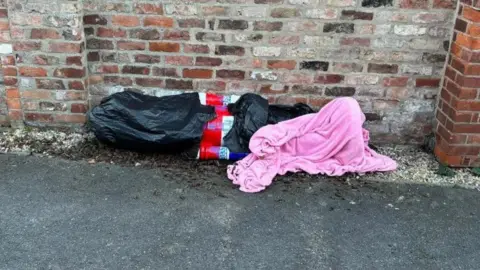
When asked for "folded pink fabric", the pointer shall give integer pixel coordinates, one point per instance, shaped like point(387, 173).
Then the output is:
point(330, 142)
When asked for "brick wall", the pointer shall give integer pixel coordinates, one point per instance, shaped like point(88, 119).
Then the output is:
point(458, 112)
point(388, 54)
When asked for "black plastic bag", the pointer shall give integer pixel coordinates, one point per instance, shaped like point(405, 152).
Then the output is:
point(252, 112)
point(279, 113)
point(169, 124)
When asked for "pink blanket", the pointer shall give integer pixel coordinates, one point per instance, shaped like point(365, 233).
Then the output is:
point(330, 142)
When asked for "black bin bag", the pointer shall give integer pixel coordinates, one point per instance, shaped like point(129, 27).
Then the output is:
point(133, 121)
point(252, 112)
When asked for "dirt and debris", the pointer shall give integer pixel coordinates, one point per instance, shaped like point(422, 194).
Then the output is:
point(415, 165)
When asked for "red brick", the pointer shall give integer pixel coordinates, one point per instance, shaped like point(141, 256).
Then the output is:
point(37, 33)
point(125, 20)
point(179, 60)
point(14, 104)
point(108, 69)
point(473, 82)
point(93, 57)
point(208, 61)
point(298, 77)
point(38, 117)
point(179, 84)
point(3, 13)
point(427, 82)
point(10, 81)
point(74, 60)
point(448, 4)
point(176, 35)
point(69, 73)
point(458, 64)
point(471, 14)
point(65, 47)
point(136, 70)
point(32, 72)
point(198, 73)
point(149, 82)
point(4, 25)
point(94, 19)
point(27, 46)
point(472, 70)
point(158, 21)
point(395, 81)
point(195, 48)
point(131, 45)
point(9, 71)
point(281, 64)
point(110, 32)
point(70, 118)
point(466, 105)
point(78, 108)
point(164, 47)
point(12, 93)
point(328, 78)
point(231, 74)
point(216, 86)
point(145, 8)
point(76, 85)
point(150, 59)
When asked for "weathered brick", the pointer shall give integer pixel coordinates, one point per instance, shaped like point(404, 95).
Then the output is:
point(38, 117)
point(52, 106)
point(347, 28)
point(94, 19)
point(26, 46)
point(196, 48)
point(230, 74)
point(197, 73)
point(115, 80)
point(267, 51)
point(148, 8)
point(136, 70)
point(158, 21)
point(267, 26)
point(347, 67)
point(284, 40)
point(414, 4)
point(179, 84)
point(426, 17)
point(38, 33)
point(66, 47)
point(274, 89)
point(149, 82)
point(176, 35)
point(255, 37)
point(207, 61)
point(69, 73)
point(409, 30)
point(328, 78)
point(281, 64)
point(263, 75)
point(70, 118)
point(179, 60)
point(382, 68)
point(76, 85)
point(363, 42)
point(96, 44)
point(191, 23)
point(210, 36)
point(49, 84)
point(232, 24)
point(395, 81)
point(314, 65)
point(111, 32)
point(164, 72)
point(229, 50)
point(327, 14)
point(145, 34)
point(356, 15)
point(341, 3)
point(215, 11)
point(164, 47)
point(377, 3)
point(448, 4)
point(9, 71)
point(125, 20)
point(268, 1)
point(340, 91)
point(362, 79)
point(150, 59)
point(131, 45)
point(181, 9)
point(298, 77)
point(32, 72)
point(284, 13)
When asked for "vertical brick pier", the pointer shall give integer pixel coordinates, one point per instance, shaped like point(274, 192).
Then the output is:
point(458, 111)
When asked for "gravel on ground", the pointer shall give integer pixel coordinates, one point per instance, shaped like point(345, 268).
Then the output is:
point(414, 164)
